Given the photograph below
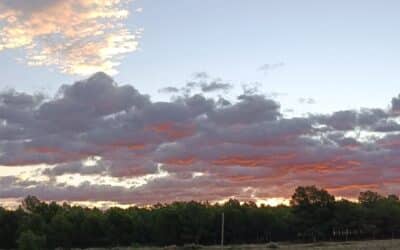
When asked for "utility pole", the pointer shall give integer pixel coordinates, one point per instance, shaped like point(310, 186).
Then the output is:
point(222, 230)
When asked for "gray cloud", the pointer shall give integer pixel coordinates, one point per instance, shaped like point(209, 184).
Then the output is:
point(76, 168)
point(215, 85)
point(202, 82)
point(169, 90)
point(306, 101)
point(386, 126)
point(396, 105)
point(271, 66)
point(249, 109)
point(200, 75)
point(211, 148)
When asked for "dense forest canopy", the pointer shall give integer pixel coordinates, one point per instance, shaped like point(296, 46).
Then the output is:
point(313, 214)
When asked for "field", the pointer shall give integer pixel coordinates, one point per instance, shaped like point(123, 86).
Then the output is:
point(349, 245)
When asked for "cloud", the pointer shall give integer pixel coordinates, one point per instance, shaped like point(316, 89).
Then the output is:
point(271, 66)
point(306, 101)
point(85, 107)
point(215, 85)
point(76, 167)
point(200, 82)
point(120, 146)
point(249, 109)
point(201, 75)
point(386, 126)
point(353, 119)
point(169, 90)
point(76, 36)
point(396, 105)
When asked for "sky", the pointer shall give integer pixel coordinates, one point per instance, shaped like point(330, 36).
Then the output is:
point(137, 102)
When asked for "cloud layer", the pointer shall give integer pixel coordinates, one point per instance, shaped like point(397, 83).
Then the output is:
point(104, 142)
point(76, 36)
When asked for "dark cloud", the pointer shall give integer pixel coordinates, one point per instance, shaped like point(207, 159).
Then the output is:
point(20, 100)
point(396, 105)
point(249, 109)
point(207, 85)
point(215, 85)
point(169, 90)
point(386, 126)
point(202, 82)
point(211, 148)
point(76, 168)
point(352, 119)
point(95, 97)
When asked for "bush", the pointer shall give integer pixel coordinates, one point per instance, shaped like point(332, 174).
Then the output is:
point(30, 241)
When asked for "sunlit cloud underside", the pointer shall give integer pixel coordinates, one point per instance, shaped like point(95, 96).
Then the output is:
point(121, 147)
point(74, 36)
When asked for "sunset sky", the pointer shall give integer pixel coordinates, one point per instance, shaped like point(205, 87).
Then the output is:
point(119, 102)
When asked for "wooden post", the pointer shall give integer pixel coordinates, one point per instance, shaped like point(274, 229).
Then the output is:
point(222, 230)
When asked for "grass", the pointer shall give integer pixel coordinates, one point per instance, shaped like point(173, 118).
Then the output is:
point(348, 245)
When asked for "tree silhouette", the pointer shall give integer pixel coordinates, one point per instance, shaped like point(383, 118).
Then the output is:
point(313, 215)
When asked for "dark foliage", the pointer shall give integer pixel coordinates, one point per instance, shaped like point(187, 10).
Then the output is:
point(313, 215)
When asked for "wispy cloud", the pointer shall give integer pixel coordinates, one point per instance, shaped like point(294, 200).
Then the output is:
point(271, 66)
point(304, 100)
point(202, 82)
point(76, 36)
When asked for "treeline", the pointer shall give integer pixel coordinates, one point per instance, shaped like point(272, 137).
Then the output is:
point(313, 215)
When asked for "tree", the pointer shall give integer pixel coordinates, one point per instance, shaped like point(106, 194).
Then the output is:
point(313, 211)
point(61, 231)
point(119, 227)
point(93, 226)
point(385, 214)
point(348, 218)
point(30, 241)
point(167, 225)
point(311, 196)
point(9, 223)
point(31, 203)
point(393, 197)
point(313, 215)
point(369, 198)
